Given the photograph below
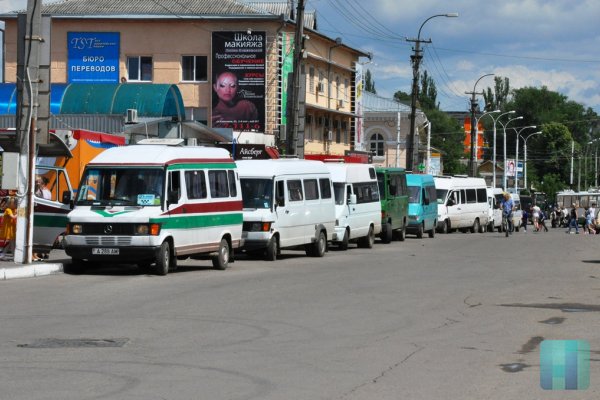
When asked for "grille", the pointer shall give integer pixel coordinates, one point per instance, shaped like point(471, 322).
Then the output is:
point(108, 240)
point(117, 229)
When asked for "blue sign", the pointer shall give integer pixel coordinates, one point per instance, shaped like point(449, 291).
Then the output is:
point(93, 57)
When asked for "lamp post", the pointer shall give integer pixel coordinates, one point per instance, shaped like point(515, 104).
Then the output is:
point(473, 160)
point(494, 145)
point(518, 131)
point(504, 187)
point(525, 150)
point(477, 130)
point(416, 61)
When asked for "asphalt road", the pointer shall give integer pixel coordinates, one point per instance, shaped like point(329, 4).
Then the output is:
point(459, 316)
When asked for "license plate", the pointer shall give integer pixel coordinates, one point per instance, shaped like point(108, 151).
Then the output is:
point(105, 251)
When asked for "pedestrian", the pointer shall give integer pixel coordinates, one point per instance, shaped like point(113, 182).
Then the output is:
point(8, 228)
point(535, 211)
point(524, 218)
point(542, 221)
point(573, 219)
point(589, 222)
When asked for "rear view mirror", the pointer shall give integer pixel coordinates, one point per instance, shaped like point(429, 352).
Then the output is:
point(352, 199)
point(66, 197)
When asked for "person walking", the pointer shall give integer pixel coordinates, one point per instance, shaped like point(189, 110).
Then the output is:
point(8, 229)
point(524, 218)
point(573, 219)
point(535, 213)
point(542, 221)
point(508, 206)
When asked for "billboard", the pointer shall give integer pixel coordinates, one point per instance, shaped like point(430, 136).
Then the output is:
point(238, 81)
point(93, 57)
point(287, 68)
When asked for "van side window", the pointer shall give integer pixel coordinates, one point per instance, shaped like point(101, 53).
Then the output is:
point(325, 185)
point(372, 173)
point(432, 192)
point(195, 184)
point(280, 194)
point(366, 192)
point(471, 196)
point(425, 196)
point(217, 180)
point(232, 186)
point(175, 184)
point(311, 190)
point(481, 195)
point(295, 190)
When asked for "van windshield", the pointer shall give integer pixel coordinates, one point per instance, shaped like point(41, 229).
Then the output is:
point(441, 195)
point(111, 186)
point(339, 189)
point(414, 194)
point(257, 193)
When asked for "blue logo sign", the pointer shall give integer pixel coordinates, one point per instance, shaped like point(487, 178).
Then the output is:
point(93, 57)
point(564, 365)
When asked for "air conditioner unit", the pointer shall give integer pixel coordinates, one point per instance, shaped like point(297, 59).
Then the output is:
point(340, 104)
point(329, 136)
point(132, 116)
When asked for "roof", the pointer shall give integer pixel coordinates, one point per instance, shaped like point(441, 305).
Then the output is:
point(282, 166)
point(351, 172)
point(149, 7)
point(160, 154)
point(372, 102)
point(286, 9)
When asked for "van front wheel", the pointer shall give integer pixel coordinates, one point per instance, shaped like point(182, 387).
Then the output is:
point(317, 249)
point(272, 249)
point(387, 233)
point(420, 231)
point(221, 260)
point(163, 260)
point(366, 242)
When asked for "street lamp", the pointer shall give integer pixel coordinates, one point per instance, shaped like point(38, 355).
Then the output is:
point(504, 187)
point(494, 146)
point(473, 161)
point(525, 150)
point(518, 132)
point(416, 60)
point(477, 132)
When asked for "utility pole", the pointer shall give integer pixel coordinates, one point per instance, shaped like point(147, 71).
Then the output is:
point(296, 114)
point(416, 61)
point(473, 160)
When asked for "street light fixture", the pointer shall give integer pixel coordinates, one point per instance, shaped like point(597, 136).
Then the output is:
point(504, 187)
point(494, 146)
point(525, 150)
point(518, 131)
point(473, 160)
point(416, 60)
point(477, 132)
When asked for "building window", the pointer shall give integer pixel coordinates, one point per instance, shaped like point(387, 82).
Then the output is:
point(194, 69)
point(139, 68)
point(321, 86)
point(346, 86)
point(311, 79)
point(377, 145)
point(337, 87)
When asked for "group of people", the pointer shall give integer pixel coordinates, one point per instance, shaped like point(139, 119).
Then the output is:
point(8, 224)
point(589, 215)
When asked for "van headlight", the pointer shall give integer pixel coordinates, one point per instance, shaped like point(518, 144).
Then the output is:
point(74, 229)
point(147, 229)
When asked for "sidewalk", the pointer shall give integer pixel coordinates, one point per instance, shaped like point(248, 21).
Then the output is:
point(53, 265)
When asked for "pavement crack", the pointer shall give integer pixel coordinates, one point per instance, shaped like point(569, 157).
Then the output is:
point(449, 322)
point(384, 372)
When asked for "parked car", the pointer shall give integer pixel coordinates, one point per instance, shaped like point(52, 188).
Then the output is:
point(422, 205)
point(462, 203)
point(393, 192)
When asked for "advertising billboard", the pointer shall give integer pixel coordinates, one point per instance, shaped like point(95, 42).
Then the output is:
point(238, 81)
point(93, 57)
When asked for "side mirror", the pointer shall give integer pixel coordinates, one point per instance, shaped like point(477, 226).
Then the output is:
point(426, 201)
point(352, 199)
point(450, 202)
point(66, 197)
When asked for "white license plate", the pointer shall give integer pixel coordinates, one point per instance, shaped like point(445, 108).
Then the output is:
point(104, 251)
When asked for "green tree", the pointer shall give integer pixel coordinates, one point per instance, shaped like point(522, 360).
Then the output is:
point(369, 82)
point(402, 97)
point(447, 136)
point(497, 99)
point(428, 93)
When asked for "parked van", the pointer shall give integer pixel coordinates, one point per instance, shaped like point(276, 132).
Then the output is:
point(288, 203)
point(394, 203)
point(422, 205)
point(357, 205)
point(462, 203)
point(517, 213)
point(152, 204)
point(494, 213)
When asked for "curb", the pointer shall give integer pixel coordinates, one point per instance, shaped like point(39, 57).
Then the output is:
point(30, 271)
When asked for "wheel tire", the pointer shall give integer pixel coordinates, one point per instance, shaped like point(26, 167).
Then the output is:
point(475, 227)
point(221, 260)
point(272, 249)
point(163, 261)
point(319, 246)
point(345, 241)
point(401, 233)
point(445, 227)
point(482, 228)
point(76, 267)
point(387, 234)
point(431, 233)
point(420, 231)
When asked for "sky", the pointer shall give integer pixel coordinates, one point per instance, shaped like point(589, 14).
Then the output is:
point(534, 43)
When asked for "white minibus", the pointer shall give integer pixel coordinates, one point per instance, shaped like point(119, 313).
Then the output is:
point(462, 203)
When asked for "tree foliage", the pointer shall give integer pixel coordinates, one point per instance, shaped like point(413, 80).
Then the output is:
point(447, 136)
point(497, 99)
point(369, 82)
